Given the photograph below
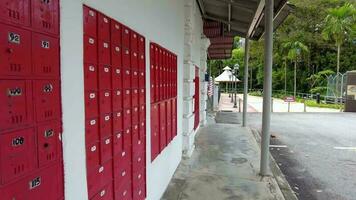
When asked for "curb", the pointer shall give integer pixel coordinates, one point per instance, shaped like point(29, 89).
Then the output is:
point(282, 182)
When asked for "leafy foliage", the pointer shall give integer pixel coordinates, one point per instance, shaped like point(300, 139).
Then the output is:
point(305, 25)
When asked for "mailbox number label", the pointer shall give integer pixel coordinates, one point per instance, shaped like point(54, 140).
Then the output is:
point(45, 44)
point(49, 133)
point(14, 38)
point(15, 92)
point(35, 183)
point(18, 141)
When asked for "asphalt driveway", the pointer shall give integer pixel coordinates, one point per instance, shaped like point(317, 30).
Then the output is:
point(316, 152)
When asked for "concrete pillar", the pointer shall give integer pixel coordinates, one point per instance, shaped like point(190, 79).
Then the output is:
point(245, 105)
point(189, 75)
point(205, 43)
point(267, 89)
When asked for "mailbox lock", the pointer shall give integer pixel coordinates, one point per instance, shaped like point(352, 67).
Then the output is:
point(101, 169)
point(107, 141)
point(10, 50)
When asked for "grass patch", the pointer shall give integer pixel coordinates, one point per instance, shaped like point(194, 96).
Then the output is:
point(309, 103)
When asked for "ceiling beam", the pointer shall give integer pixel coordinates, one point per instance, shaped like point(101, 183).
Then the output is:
point(256, 18)
point(201, 6)
point(229, 16)
point(232, 23)
point(241, 4)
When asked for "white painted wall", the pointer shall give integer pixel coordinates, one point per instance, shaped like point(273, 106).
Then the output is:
point(161, 21)
point(197, 35)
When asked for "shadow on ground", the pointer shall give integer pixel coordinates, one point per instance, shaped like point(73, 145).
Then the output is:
point(228, 117)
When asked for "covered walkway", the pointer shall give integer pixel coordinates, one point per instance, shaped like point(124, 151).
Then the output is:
point(225, 165)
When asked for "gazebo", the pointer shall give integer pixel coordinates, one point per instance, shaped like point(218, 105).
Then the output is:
point(227, 77)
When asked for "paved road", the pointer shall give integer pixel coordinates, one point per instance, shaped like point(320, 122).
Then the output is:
point(315, 162)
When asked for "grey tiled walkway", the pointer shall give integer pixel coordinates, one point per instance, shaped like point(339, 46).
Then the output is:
point(224, 166)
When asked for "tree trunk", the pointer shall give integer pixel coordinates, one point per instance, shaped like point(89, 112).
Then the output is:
point(295, 78)
point(251, 79)
point(285, 77)
point(337, 89)
point(338, 58)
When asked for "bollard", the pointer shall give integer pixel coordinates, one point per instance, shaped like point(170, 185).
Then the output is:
point(288, 106)
point(239, 105)
point(272, 105)
point(318, 98)
point(305, 105)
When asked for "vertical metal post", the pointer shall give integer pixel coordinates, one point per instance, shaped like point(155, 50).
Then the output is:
point(235, 99)
point(247, 49)
point(235, 89)
point(267, 89)
point(305, 106)
point(239, 105)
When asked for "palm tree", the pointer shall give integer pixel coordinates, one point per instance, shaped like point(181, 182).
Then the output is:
point(294, 51)
point(339, 25)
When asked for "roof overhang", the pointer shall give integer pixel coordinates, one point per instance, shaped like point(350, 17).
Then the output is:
point(224, 19)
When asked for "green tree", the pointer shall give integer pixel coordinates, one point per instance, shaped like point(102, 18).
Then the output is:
point(339, 25)
point(295, 50)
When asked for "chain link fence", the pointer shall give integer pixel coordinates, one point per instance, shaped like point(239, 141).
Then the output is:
point(336, 88)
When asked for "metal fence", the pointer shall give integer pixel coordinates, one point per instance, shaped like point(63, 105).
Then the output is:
point(336, 88)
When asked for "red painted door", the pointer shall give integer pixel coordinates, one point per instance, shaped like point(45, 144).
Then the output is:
point(196, 99)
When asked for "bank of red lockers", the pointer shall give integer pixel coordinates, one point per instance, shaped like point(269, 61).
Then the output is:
point(30, 109)
point(163, 86)
point(114, 83)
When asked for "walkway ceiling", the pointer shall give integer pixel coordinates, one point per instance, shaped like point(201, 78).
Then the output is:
point(224, 19)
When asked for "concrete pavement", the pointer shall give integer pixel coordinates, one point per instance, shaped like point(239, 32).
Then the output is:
point(225, 165)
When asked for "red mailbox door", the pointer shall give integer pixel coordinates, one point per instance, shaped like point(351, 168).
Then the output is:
point(16, 107)
point(104, 28)
point(91, 131)
point(15, 45)
point(45, 55)
point(18, 154)
point(116, 56)
point(90, 49)
point(92, 156)
point(47, 100)
point(90, 21)
point(116, 32)
point(125, 37)
point(117, 100)
point(196, 99)
point(105, 101)
point(106, 147)
point(17, 12)
point(154, 131)
point(117, 122)
point(90, 77)
point(116, 78)
point(91, 105)
point(45, 16)
point(48, 142)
